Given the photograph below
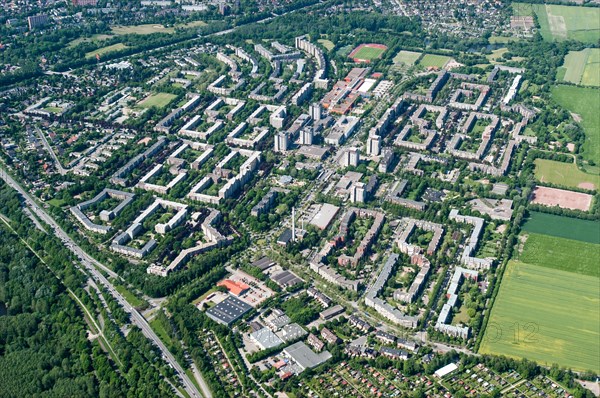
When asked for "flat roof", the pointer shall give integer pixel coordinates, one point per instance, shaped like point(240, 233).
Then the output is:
point(304, 356)
point(266, 338)
point(264, 263)
point(228, 311)
point(286, 279)
point(324, 216)
point(446, 370)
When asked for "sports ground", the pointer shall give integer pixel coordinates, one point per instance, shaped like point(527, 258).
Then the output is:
point(367, 52)
point(406, 58)
point(159, 100)
point(565, 174)
point(433, 60)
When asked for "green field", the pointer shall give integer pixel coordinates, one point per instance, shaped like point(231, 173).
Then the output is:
point(407, 58)
point(369, 53)
point(328, 44)
point(585, 102)
point(561, 254)
point(106, 50)
point(563, 227)
point(564, 22)
point(546, 315)
point(145, 29)
point(432, 60)
point(130, 297)
point(566, 174)
point(159, 100)
point(95, 38)
point(581, 67)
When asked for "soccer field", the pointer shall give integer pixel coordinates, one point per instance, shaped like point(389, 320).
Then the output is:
point(585, 102)
point(368, 53)
point(546, 315)
point(432, 60)
point(407, 58)
point(566, 174)
point(159, 100)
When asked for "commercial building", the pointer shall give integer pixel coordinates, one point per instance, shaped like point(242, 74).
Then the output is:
point(228, 311)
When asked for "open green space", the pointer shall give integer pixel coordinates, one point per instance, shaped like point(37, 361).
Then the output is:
point(95, 38)
point(328, 44)
point(408, 58)
point(581, 67)
point(559, 22)
point(159, 100)
point(369, 53)
point(546, 315)
point(433, 60)
point(493, 57)
point(563, 227)
point(130, 297)
point(566, 174)
point(562, 254)
point(144, 29)
point(159, 329)
point(106, 50)
point(584, 102)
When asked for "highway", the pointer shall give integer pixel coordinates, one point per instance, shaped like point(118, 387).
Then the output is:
point(90, 264)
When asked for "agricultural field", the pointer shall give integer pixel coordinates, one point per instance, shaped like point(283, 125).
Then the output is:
point(563, 227)
point(584, 102)
point(559, 22)
point(565, 174)
point(145, 29)
point(581, 67)
point(562, 254)
point(407, 58)
point(106, 50)
point(546, 315)
point(432, 60)
point(368, 52)
point(159, 100)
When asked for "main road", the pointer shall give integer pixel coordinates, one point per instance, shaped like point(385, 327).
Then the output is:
point(90, 264)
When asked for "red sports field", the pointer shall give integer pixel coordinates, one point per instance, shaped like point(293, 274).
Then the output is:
point(562, 198)
point(365, 53)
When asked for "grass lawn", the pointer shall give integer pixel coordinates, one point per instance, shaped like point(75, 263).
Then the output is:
point(105, 50)
point(56, 202)
point(581, 67)
point(159, 100)
point(493, 57)
point(193, 24)
point(328, 44)
point(562, 254)
point(407, 58)
point(159, 329)
point(145, 29)
point(546, 315)
point(559, 22)
point(97, 37)
point(585, 102)
point(53, 109)
point(563, 227)
point(502, 39)
point(369, 53)
point(566, 174)
point(432, 60)
point(130, 297)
